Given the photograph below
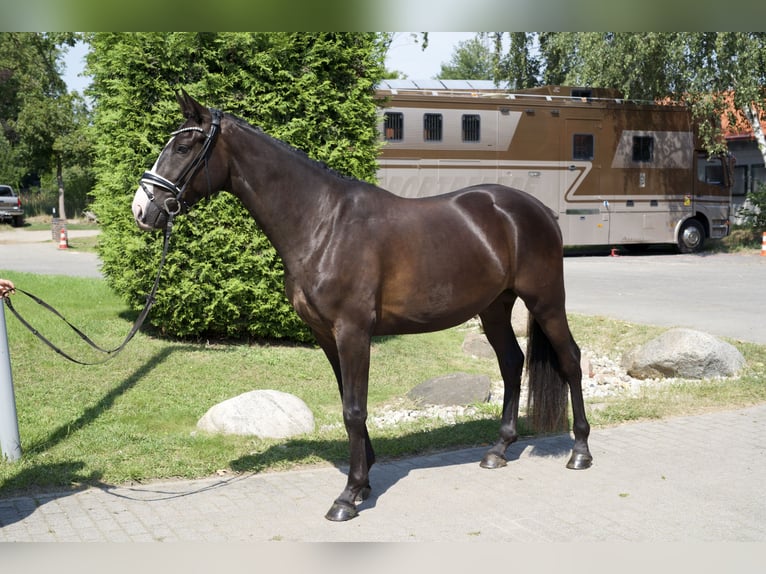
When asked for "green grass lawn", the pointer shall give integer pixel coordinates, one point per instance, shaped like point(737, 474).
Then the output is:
point(134, 417)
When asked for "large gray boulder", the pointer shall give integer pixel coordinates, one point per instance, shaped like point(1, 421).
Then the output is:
point(683, 353)
point(519, 318)
point(265, 414)
point(476, 345)
point(453, 389)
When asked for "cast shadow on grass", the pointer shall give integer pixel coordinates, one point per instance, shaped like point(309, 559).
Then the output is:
point(43, 477)
point(92, 413)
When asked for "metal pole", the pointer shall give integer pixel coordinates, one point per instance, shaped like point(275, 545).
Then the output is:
point(9, 423)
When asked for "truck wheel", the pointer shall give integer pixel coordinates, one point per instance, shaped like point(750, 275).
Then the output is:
point(691, 236)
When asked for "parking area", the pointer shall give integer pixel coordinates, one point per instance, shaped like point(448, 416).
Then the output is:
point(721, 294)
point(36, 252)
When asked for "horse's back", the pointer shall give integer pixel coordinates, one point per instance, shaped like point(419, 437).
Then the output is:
point(533, 224)
point(515, 201)
point(513, 221)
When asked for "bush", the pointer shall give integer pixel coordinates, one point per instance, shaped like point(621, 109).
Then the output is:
point(753, 211)
point(222, 277)
point(742, 238)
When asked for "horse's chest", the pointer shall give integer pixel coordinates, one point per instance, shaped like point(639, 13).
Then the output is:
point(310, 306)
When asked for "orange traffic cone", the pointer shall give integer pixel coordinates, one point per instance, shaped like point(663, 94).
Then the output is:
point(763, 244)
point(63, 241)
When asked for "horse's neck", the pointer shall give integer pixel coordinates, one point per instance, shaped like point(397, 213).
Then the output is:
point(292, 199)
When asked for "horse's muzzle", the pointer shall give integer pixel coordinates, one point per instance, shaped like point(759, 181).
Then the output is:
point(147, 213)
point(152, 217)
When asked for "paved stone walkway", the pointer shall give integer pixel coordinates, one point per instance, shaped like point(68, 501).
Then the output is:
point(692, 479)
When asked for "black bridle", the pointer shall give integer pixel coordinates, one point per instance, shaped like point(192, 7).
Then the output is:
point(175, 204)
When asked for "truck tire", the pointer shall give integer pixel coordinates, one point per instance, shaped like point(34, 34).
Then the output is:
point(691, 236)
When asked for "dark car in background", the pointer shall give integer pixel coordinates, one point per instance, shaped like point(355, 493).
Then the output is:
point(10, 206)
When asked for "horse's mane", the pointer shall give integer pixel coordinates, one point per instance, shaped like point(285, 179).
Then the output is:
point(292, 150)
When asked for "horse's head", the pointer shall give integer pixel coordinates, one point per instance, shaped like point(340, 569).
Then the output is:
point(186, 169)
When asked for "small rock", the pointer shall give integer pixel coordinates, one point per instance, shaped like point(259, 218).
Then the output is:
point(585, 366)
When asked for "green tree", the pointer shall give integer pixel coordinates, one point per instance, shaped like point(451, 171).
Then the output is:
point(554, 60)
point(471, 60)
point(9, 172)
point(522, 68)
point(484, 58)
point(44, 127)
point(53, 134)
point(312, 90)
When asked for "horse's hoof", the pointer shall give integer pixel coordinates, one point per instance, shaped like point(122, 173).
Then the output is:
point(579, 461)
point(491, 460)
point(340, 512)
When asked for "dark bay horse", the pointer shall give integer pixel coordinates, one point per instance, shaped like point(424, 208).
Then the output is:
point(360, 262)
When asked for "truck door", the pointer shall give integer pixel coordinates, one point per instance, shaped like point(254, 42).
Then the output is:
point(711, 200)
point(585, 213)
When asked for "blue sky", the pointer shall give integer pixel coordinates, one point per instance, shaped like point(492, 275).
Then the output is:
point(408, 57)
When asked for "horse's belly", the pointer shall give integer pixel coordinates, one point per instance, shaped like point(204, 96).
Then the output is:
point(397, 325)
point(433, 309)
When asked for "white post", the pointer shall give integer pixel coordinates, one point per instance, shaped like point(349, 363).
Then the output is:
point(10, 443)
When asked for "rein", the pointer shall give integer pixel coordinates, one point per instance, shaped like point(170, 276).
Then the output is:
point(172, 207)
point(111, 353)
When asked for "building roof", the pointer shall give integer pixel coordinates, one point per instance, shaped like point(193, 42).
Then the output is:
point(735, 125)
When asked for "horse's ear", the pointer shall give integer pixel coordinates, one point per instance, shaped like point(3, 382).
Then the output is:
point(191, 109)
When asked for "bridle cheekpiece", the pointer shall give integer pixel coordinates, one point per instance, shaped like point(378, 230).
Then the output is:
point(172, 206)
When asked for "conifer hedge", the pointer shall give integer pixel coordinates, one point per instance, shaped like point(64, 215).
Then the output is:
point(222, 279)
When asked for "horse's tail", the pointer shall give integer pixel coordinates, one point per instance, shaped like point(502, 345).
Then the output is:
point(548, 398)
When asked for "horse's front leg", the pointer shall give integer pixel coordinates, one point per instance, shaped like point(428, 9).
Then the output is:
point(354, 354)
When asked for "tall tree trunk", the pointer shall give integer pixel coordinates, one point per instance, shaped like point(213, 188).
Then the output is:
point(751, 113)
point(60, 182)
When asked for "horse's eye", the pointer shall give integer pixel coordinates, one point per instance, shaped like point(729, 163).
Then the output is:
point(182, 149)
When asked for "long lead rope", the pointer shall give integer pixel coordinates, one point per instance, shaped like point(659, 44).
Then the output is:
point(111, 353)
point(200, 160)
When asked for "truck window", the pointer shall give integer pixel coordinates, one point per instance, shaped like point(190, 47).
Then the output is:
point(709, 171)
point(643, 148)
point(393, 126)
point(471, 127)
point(582, 146)
point(758, 176)
point(432, 127)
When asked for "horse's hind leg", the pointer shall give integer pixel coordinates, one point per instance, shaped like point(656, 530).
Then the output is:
point(555, 328)
point(496, 320)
